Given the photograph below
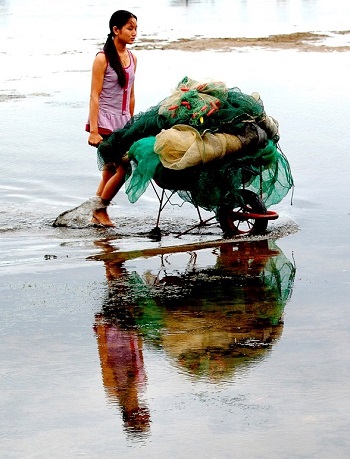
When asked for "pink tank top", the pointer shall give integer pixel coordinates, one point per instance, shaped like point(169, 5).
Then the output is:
point(114, 100)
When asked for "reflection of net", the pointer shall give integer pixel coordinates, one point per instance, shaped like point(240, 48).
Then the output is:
point(278, 277)
point(234, 319)
point(218, 138)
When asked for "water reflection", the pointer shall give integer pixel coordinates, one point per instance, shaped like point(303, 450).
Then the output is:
point(123, 374)
point(212, 318)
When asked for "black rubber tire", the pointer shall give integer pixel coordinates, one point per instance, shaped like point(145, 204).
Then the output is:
point(232, 226)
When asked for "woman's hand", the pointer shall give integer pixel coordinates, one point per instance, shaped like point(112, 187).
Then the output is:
point(94, 139)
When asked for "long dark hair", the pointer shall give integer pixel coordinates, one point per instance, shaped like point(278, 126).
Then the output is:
point(118, 19)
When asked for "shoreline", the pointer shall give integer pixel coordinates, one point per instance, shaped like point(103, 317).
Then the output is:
point(302, 41)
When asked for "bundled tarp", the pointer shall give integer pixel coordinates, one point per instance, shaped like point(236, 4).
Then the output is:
point(206, 142)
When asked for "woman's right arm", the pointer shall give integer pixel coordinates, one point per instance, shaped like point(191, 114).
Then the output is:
point(98, 71)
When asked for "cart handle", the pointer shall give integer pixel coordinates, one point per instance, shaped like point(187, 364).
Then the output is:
point(269, 215)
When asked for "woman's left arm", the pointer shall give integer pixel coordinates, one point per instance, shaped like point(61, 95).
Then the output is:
point(132, 92)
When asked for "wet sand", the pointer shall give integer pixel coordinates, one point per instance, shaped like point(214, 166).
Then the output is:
point(301, 41)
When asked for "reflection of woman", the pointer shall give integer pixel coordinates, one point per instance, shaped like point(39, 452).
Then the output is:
point(120, 348)
point(123, 372)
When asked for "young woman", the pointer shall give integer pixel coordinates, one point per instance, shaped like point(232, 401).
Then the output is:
point(112, 102)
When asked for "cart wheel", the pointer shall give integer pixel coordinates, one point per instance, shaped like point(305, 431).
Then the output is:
point(232, 225)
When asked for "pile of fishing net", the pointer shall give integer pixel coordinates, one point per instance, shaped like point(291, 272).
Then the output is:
point(205, 141)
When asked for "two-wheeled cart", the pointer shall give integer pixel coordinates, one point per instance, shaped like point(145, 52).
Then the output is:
point(241, 212)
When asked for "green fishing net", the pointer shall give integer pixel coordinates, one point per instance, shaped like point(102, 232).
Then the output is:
point(206, 142)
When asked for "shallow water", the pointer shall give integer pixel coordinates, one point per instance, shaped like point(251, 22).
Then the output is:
point(108, 351)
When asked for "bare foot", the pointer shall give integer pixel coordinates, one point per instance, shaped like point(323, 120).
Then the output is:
point(94, 221)
point(101, 217)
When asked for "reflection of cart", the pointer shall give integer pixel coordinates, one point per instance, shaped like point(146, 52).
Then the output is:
point(213, 146)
